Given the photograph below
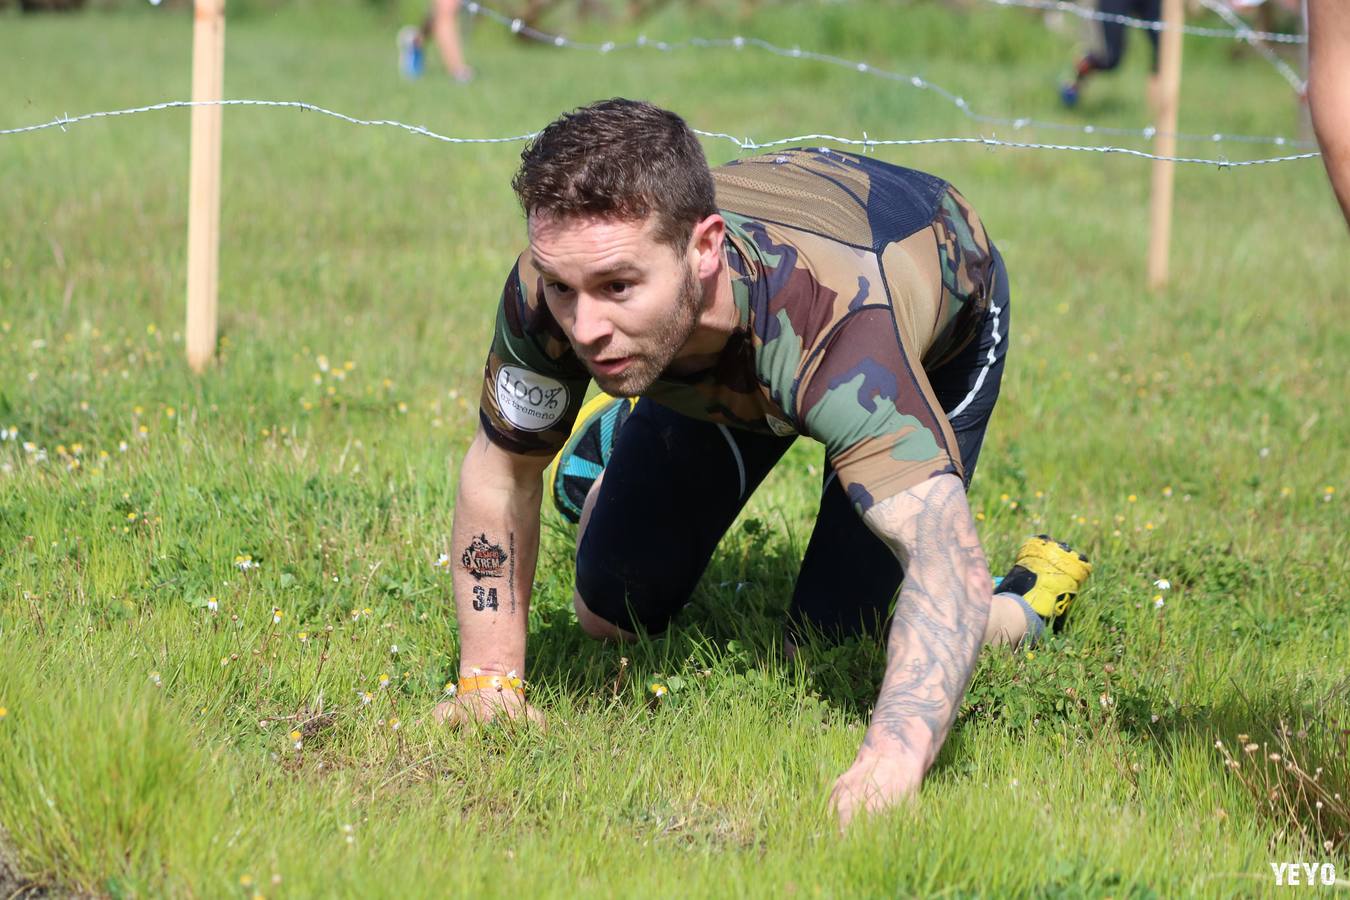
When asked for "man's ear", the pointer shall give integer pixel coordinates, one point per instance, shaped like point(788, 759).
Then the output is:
point(706, 244)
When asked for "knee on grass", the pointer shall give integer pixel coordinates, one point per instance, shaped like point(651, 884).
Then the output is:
point(598, 627)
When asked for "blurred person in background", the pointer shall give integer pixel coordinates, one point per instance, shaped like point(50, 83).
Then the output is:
point(1111, 50)
point(441, 23)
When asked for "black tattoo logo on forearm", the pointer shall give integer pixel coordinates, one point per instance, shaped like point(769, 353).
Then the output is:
point(483, 559)
point(484, 598)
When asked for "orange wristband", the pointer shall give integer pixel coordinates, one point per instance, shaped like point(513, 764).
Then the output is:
point(492, 683)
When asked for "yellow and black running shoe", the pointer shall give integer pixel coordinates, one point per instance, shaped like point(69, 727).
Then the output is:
point(586, 453)
point(1048, 574)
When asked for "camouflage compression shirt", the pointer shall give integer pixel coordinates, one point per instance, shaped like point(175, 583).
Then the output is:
point(852, 276)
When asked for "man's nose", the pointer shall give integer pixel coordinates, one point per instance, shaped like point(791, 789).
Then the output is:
point(591, 328)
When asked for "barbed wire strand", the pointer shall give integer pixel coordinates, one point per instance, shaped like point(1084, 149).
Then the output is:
point(518, 26)
point(1257, 43)
point(744, 143)
point(63, 120)
point(1240, 32)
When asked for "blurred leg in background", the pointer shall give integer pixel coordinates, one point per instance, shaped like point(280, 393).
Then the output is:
point(442, 25)
point(1111, 51)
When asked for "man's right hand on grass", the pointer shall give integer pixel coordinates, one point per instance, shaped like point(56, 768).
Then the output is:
point(477, 707)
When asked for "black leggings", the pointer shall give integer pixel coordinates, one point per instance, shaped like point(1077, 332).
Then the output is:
point(1113, 33)
point(674, 485)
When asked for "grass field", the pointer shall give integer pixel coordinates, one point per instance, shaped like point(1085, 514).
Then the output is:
point(1197, 435)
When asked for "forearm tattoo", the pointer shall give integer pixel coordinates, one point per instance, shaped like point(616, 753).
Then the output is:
point(484, 559)
point(940, 617)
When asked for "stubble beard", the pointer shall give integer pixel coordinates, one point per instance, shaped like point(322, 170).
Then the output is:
point(665, 342)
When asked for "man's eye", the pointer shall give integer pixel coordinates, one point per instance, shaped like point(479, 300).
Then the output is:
point(618, 287)
point(559, 287)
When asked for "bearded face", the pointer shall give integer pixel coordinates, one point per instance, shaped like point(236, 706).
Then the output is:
point(627, 302)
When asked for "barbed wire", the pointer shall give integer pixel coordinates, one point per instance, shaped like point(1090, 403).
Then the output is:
point(738, 42)
point(1238, 33)
point(1254, 40)
point(63, 120)
point(867, 143)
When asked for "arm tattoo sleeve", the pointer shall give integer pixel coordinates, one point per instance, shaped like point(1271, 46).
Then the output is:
point(940, 617)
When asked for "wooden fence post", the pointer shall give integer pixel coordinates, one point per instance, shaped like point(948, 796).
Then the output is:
point(203, 263)
point(1165, 143)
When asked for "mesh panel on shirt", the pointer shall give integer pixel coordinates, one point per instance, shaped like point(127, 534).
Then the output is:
point(856, 200)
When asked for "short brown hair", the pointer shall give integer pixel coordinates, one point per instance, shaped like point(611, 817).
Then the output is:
point(622, 159)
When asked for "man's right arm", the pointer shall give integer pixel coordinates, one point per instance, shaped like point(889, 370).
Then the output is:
point(1329, 89)
point(495, 546)
point(533, 385)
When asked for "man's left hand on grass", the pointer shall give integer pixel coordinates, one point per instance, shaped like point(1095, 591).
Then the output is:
point(875, 782)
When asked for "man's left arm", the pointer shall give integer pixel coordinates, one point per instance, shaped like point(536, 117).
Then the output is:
point(934, 643)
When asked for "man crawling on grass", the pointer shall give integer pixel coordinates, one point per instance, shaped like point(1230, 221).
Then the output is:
point(802, 293)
